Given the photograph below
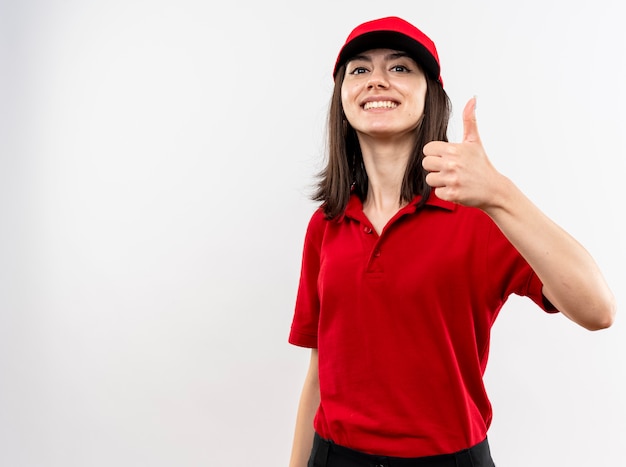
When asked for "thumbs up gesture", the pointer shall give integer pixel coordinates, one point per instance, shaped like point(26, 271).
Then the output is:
point(461, 172)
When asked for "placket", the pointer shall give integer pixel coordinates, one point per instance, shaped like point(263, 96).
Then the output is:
point(372, 242)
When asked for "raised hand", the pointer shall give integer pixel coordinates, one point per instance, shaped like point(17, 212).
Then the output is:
point(462, 172)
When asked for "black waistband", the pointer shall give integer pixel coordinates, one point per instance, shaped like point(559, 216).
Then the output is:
point(327, 451)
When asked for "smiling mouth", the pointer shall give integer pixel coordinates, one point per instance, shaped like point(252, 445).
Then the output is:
point(380, 105)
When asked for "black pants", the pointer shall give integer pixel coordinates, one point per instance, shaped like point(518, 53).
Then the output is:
point(328, 454)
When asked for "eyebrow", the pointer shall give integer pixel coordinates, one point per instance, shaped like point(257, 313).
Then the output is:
point(391, 56)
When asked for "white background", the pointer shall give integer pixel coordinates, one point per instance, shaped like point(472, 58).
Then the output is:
point(156, 159)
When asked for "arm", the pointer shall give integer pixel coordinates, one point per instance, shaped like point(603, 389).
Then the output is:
point(571, 279)
point(309, 402)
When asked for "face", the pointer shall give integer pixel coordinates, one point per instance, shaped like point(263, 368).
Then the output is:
point(383, 93)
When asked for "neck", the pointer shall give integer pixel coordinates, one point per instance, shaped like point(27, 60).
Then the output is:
point(385, 164)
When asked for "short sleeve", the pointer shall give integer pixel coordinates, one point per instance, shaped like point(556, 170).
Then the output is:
point(306, 315)
point(512, 273)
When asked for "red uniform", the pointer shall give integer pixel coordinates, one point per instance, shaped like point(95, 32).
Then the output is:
point(402, 323)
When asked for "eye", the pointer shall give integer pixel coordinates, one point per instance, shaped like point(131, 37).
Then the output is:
point(359, 70)
point(400, 68)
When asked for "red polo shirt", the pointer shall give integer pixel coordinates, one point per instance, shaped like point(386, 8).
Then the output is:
point(402, 323)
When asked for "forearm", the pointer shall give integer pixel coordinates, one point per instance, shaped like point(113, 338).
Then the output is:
point(309, 402)
point(572, 280)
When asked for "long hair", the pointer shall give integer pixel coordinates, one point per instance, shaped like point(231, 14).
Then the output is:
point(345, 172)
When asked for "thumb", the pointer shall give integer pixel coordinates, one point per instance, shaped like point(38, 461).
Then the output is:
point(470, 127)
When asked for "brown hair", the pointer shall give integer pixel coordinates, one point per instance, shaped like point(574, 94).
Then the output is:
point(345, 172)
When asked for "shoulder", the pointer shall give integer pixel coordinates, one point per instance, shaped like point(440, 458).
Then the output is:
point(316, 227)
point(481, 229)
point(318, 218)
point(317, 221)
point(458, 216)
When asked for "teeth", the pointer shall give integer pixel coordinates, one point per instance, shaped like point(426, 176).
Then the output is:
point(380, 105)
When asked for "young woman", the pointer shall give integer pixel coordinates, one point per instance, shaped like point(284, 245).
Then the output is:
point(414, 249)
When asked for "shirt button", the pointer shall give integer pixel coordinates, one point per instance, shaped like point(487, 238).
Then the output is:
point(376, 252)
point(367, 230)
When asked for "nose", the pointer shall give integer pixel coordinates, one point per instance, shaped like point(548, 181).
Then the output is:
point(377, 80)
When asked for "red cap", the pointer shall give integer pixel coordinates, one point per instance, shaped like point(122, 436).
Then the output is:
point(394, 33)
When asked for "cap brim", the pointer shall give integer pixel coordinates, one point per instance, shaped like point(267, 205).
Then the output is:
point(391, 40)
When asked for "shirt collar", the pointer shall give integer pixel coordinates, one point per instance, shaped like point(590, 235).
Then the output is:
point(354, 209)
point(433, 200)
